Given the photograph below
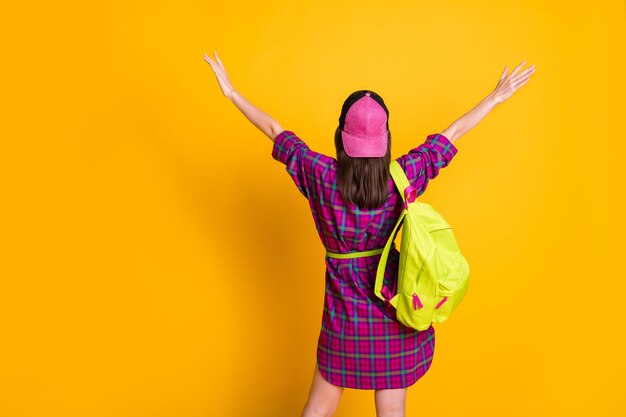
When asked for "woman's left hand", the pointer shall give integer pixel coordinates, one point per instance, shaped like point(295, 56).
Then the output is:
point(222, 76)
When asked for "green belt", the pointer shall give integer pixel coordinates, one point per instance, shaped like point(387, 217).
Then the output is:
point(354, 254)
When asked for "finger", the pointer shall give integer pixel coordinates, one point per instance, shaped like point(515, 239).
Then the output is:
point(207, 59)
point(521, 64)
point(216, 68)
point(219, 60)
point(504, 72)
point(521, 83)
point(502, 77)
point(530, 69)
point(213, 65)
point(522, 76)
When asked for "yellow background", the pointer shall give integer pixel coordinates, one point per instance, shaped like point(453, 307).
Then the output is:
point(156, 261)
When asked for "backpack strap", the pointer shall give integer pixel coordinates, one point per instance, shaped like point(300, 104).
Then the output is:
point(402, 183)
point(399, 178)
point(408, 192)
point(382, 264)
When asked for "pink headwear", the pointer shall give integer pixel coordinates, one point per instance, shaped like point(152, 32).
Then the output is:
point(365, 131)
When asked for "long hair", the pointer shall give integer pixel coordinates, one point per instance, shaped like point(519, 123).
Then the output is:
point(362, 181)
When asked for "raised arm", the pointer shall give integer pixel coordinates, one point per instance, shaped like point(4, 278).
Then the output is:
point(507, 85)
point(263, 121)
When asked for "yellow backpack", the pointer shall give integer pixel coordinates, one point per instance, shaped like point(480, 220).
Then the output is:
point(433, 275)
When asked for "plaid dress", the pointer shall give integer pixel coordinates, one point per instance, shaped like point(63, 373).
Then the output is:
point(361, 344)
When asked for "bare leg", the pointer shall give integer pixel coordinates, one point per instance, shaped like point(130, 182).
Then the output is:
point(323, 397)
point(390, 402)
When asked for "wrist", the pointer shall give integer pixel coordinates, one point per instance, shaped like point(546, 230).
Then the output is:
point(232, 94)
point(492, 99)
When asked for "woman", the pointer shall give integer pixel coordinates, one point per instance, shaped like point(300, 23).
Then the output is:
point(355, 206)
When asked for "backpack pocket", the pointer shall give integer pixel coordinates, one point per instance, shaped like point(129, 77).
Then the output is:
point(413, 310)
point(451, 289)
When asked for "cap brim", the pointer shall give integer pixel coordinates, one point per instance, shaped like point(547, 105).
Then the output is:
point(364, 148)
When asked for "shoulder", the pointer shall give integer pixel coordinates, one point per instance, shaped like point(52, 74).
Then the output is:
point(288, 145)
point(436, 146)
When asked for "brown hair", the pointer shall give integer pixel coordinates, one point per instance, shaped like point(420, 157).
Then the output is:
point(362, 181)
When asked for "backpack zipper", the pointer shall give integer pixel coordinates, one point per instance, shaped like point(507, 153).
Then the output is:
point(416, 301)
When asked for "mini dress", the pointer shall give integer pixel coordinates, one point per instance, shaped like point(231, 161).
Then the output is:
point(361, 344)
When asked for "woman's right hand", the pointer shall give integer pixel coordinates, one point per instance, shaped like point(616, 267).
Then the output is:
point(508, 84)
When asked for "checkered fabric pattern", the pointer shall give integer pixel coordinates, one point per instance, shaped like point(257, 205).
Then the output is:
point(361, 345)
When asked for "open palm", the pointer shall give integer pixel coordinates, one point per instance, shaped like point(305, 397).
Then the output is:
point(508, 84)
point(221, 75)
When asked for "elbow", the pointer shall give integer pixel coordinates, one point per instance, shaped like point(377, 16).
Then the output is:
point(451, 134)
point(274, 130)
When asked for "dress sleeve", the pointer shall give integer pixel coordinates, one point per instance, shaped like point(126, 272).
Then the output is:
point(424, 162)
point(303, 164)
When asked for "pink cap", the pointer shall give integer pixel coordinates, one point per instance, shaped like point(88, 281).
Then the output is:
point(365, 131)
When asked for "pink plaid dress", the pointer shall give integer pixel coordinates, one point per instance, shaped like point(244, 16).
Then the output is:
point(361, 344)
